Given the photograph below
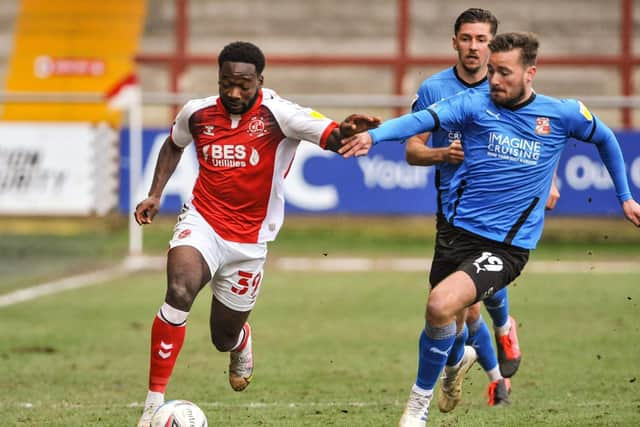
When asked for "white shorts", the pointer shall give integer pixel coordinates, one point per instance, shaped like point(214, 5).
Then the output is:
point(236, 268)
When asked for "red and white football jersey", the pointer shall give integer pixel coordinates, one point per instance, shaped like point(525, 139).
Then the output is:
point(244, 160)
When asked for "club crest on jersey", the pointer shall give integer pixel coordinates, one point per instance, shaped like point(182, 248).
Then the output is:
point(257, 127)
point(208, 130)
point(543, 126)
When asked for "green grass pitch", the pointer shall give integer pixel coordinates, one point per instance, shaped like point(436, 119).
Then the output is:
point(331, 349)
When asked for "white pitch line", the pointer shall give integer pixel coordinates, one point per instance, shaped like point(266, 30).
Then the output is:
point(422, 265)
point(329, 404)
point(49, 288)
point(338, 264)
point(79, 281)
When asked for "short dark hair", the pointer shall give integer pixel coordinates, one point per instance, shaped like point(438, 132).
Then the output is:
point(242, 52)
point(526, 42)
point(473, 15)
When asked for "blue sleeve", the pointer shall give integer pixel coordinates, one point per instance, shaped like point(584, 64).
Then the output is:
point(586, 127)
point(424, 98)
point(405, 126)
point(611, 156)
point(452, 111)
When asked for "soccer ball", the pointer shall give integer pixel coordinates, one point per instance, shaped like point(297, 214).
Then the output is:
point(179, 413)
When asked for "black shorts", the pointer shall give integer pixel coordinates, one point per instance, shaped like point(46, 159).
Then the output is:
point(492, 265)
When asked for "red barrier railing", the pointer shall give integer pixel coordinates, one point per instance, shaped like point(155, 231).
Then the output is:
point(179, 59)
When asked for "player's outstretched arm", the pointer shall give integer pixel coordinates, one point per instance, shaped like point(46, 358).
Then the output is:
point(356, 123)
point(167, 162)
point(397, 129)
point(356, 145)
point(350, 126)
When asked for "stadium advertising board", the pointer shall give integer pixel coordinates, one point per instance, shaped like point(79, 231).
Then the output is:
point(384, 184)
point(56, 169)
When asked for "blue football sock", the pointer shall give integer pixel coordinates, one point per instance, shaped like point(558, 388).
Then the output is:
point(480, 340)
point(498, 307)
point(457, 351)
point(435, 345)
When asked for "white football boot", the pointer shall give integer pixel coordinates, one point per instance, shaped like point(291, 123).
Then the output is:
point(416, 411)
point(153, 402)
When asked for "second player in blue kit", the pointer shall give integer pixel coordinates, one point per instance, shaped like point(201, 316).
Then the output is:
point(513, 139)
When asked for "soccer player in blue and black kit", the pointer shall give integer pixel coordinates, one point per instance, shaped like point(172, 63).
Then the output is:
point(512, 141)
point(473, 30)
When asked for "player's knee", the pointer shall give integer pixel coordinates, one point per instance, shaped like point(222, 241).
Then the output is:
point(180, 295)
point(223, 341)
point(439, 311)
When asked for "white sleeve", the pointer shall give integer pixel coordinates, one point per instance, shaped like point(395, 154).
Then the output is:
point(180, 132)
point(300, 123)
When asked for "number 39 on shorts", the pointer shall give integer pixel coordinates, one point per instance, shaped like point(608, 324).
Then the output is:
point(247, 282)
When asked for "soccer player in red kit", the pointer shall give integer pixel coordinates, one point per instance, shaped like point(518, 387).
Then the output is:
point(246, 139)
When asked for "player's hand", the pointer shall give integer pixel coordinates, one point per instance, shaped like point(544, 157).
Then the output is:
point(356, 123)
point(356, 145)
point(632, 211)
point(554, 195)
point(146, 210)
point(455, 153)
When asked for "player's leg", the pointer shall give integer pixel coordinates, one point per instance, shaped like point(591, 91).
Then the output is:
point(509, 354)
point(187, 273)
point(230, 332)
point(437, 340)
point(486, 267)
point(460, 360)
point(461, 357)
point(480, 340)
point(236, 285)
point(446, 301)
point(493, 268)
point(497, 306)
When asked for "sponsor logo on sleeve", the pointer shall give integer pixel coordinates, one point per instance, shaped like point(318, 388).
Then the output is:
point(585, 111)
point(317, 115)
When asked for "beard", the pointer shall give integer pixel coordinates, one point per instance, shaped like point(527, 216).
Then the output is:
point(511, 101)
point(244, 107)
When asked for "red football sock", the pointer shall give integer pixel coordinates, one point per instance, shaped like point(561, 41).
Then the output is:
point(166, 343)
